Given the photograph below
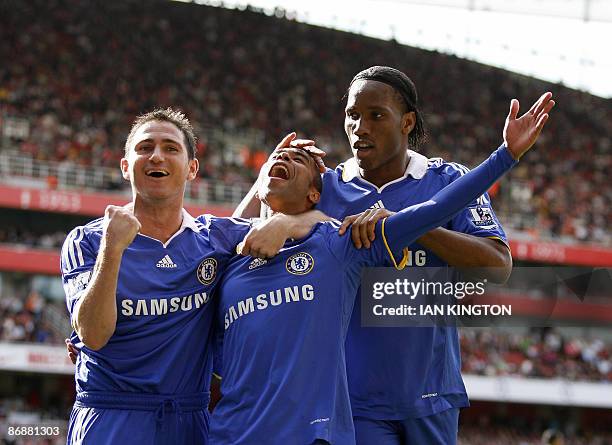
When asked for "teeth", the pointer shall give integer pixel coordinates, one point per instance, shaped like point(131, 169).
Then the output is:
point(359, 145)
point(157, 173)
point(279, 171)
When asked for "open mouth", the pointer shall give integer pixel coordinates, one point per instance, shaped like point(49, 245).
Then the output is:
point(279, 171)
point(157, 173)
point(363, 145)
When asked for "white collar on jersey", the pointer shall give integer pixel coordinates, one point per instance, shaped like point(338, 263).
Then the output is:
point(188, 222)
point(417, 167)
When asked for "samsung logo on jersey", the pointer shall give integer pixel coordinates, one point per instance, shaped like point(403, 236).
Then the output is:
point(162, 306)
point(265, 301)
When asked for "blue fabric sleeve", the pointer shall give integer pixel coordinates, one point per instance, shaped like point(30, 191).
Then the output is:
point(226, 233)
point(406, 226)
point(77, 262)
point(478, 218)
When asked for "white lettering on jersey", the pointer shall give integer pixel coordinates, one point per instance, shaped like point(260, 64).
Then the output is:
point(127, 307)
point(162, 306)
point(174, 304)
point(275, 297)
point(417, 258)
point(141, 308)
point(159, 306)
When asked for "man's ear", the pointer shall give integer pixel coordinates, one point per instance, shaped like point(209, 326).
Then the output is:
point(314, 196)
point(194, 167)
point(125, 168)
point(408, 122)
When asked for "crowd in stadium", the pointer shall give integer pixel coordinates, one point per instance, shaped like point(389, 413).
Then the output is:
point(31, 410)
point(23, 320)
point(542, 353)
point(545, 354)
point(10, 234)
point(504, 435)
point(99, 64)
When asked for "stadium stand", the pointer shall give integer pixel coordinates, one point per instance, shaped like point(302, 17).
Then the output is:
point(33, 311)
point(544, 353)
point(80, 72)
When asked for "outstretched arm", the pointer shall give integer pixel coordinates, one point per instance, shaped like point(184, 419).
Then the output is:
point(406, 226)
point(519, 136)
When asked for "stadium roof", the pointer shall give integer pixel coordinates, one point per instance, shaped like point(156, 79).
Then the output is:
point(555, 40)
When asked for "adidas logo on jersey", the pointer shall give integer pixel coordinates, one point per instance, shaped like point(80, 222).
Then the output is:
point(166, 263)
point(378, 205)
point(256, 263)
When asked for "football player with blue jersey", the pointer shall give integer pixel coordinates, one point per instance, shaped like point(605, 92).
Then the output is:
point(284, 319)
point(387, 367)
point(138, 286)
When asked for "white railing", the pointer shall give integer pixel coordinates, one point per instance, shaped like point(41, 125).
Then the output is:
point(19, 169)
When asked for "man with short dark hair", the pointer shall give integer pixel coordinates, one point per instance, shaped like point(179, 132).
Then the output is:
point(386, 367)
point(284, 319)
point(138, 286)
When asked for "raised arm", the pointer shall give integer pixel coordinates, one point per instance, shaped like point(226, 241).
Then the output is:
point(95, 314)
point(404, 227)
point(519, 134)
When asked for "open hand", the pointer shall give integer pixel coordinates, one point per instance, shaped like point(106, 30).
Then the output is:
point(520, 134)
point(305, 144)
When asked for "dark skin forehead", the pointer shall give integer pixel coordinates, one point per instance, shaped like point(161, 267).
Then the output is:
point(304, 155)
point(375, 94)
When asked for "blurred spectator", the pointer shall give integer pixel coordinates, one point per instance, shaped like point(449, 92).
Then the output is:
point(11, 234)
point(553, 437)
point(81, 71)
point(504, 435)
point(542, 353)
point(25, 320)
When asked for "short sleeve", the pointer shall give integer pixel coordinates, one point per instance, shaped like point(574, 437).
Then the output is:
point(77, 262)
point(226, 233)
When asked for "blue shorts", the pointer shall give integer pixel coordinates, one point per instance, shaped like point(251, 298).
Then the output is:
point(101, 418)
point(436, 429)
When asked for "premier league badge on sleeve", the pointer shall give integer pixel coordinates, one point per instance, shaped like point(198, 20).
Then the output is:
point(207, 271)
point(300, 263)
point(482, 217)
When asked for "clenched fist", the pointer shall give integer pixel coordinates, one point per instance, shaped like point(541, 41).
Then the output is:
point(120, 227)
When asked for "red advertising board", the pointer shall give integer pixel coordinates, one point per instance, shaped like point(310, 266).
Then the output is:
point(93, 204)
point(79, 203)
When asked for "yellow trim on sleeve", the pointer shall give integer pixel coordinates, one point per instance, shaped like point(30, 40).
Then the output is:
point(497, 238)
point(405, 250)
point(217, 376)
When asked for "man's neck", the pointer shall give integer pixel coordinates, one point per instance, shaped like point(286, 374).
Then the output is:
point(159, 221)
point(388, 172)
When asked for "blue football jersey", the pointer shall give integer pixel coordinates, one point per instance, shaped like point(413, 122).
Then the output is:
point(161, 343)
point(284, 321)
point(386, 365)
point(283, 372)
